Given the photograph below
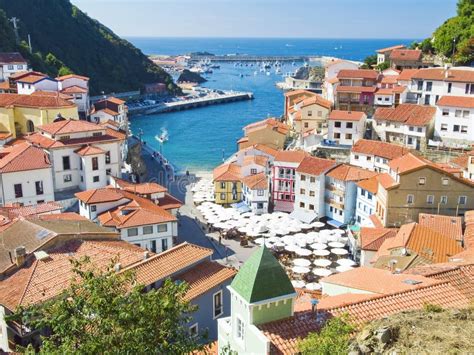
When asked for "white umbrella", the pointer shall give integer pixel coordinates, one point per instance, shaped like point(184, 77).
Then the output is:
point(321, 252)
point(300, 269)
point(346, 262)
point(318, 246)
point(313, 286)
point(318, 224)
point(301, 262)
point(305, 226)
point(298, 283)
point(322, 272)
point(303, 252)
point(279, 245)
point(336, 245)
point(322, 262)
point(343, 268)
point(291, 247)
point(247, 214)
point(339, 251)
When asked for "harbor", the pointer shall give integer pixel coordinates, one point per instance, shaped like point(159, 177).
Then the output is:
point(247, 58)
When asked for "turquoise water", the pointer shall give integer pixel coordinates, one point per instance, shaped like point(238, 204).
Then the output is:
point(199, 138)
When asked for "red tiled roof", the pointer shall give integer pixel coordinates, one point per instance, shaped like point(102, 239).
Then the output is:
point(33, 78)
point(386, 181)
point(99, 195)
point(23, 157)
point(72, 76)
point(318, 100)
point(144, 188)
point(35, 101)
point(298, 92)
point(269, 123)
point(65, 216)
point(315, 166)
point(227, 172)
point(407, 74)
point(406, 54)
point(25, 211)
point(89, 150)
point(115, 100)
point(449, 226)
point(108, 111)
point(356, 89)
point(346, 115)
point(410, 114)
point(456, 101)
point(371, 184)
point(380, 149)
point(74, 90)
point(389, 49)
point(134, 215)
point(372, 238)
point(11, 58)
point(47, 143)
point(463, 74)
point(256, 182)
point(70, 126)
point(291, 156)
point(346, 172)
point(357, 74)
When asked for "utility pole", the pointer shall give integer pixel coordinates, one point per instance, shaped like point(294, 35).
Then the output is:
point(29, 43)
point(14, 20)
point(454, 50)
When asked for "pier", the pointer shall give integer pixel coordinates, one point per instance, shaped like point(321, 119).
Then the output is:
point(186, 104)
point(247, 58)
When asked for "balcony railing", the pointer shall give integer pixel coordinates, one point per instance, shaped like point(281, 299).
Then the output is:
point(334, 203)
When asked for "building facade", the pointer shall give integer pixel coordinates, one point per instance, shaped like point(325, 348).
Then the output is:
point(346, 127)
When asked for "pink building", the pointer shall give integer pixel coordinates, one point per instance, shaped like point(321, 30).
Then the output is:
point(283, 179)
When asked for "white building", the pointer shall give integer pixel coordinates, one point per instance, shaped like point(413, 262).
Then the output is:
point(28, 84)
point(330, 76)
point(310, 187)
point(341, 193)
point(375, 155)
point(110, 109)
point(78, 87)
point(255, 192)
point(454, 123)
point(25, 175)
point(346, 127)
point(366, 200)
point(409, 125)
point(255, 164)
point(428, 85)
point(138, 220)
point(383, 55)
point(256, 150)
point(83, 154)
point(11, 63)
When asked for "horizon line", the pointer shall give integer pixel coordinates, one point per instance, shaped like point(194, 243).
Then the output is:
point(237, 37)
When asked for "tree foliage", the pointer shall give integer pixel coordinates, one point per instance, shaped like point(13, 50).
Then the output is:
point(383, 66)
point(332, 339)
point(369, 62)
point(106, 312)
point(82, 44)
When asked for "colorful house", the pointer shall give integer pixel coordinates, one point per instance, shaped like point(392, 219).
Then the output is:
point(356, 90)
point(260, 293)
point(227, 184)
point(270, 132)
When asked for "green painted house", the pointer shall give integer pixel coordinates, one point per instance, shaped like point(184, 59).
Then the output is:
point(260, 293)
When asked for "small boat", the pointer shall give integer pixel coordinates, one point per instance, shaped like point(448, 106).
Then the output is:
point(255, 72)
point(163, 137)
point(268, 73)
point(241, 75)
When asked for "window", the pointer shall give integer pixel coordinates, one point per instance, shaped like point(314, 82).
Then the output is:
point(240, 329)
point(463, 129)
point(67, 178)
point(18, 190)
point(411, 128)
point(369, 158)
point(462, 200)
point(222, 196)
point(320, 113)
point(445, 181)
point(312, 179)
point(311, 207)
point(306, 125)
point(10, 67)
point(445, 112)
point(303, 177)
point(39, 187)
point(427, 99)
point(456, 128)
point(443, 200)
point(349, 124)
point(66, 163)
point(310, 113)
point(194, 330)
point(356, 157)
point(458, 113)
point(429, 85)
point(218, 304)
point(222, 185)
point(107, 157)
point(20, 67)
point(260, 192)
point(421, 181)
point(419, 85)
point(348, 136)
point(164, 244)
point(337, 135)
point(108, 171)
point(465, 114)
point(80, 163)
point(410, 199)
point(96, 134)
point(253, 171)
point(419, 129)
point(450, 85)
point(93, 208)
point(161, 228)
point(337, 124)
point(96, 178)
point(302, 191)
point(444, 127)
point(312, 194)
point(302, 204)
point(132, 232)
point(95, 163)
point(430, 199)
point(148, 230)
point(153, 246)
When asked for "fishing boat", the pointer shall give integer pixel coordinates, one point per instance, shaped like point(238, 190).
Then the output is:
point(163, 136)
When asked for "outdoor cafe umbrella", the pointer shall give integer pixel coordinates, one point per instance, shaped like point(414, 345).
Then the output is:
point(318, 246)
point(339, 251)
point(346, 262)
point(322, 262)
point(336, 245)
point(300, 269)
point(321, 252)
point(318, 224)
point(343, 268)
point(298, 283)
point(301, 262)
point(313, 286)
point(303, 252)
point(291, 247)
point(322, 272)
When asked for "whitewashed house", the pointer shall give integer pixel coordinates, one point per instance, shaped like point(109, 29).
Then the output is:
point(11, 63)
point(255, 192)
point(83, 154)
point(330, 76)
point(375, 155)
point(310, 188)
point(341, 193)
point(346, 127)
point(112, 109)
point(366, 200)
point(254, 164)
point(28, 84)
point(76, 86)
point(25, 175)
point(138, 220)
point(454, 122)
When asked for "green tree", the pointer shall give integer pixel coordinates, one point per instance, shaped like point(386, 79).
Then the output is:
point(383, 66)
point(332, 339)
point(369, 62)
point(106, 312)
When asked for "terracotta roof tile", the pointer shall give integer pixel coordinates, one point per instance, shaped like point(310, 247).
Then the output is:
point(89, 150)
point(372, 238)
point(70, 126)
point(74, 90)
point(380, 149)
point(386, 181)
point(371, 184)
point(256, 182)
point(408, 162)
point(410, 114)
point(99, 195)
point(291, 156)
point(406, 54)
point(318, 100)
point(346, 172)
point(407, 74)
point(23, 157)
point(269, 123)
point(140, 188)
point(457, 74)
point(227, 172)
point(456, 101)
point(65, 216)
point(255, 159)
point(35, 101)
point(346, 115)
point(447, 225)
point(356, 89)
point(72, 76)
point(315, 166)
point(32, 78)
point(24, 211)
point(357, 74)
point(298, 92)
point(389, 49)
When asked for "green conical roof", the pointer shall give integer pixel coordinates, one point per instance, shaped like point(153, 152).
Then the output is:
point(262, 278)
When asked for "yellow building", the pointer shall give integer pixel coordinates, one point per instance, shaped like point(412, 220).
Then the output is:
point(310, 114)
point(270, 132)
point(227, 184)
point(20, 114)
point(416, 185)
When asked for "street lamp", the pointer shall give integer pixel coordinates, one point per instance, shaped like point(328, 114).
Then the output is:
point(454, 50)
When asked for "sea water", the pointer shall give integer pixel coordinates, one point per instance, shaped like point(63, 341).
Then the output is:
point(200, 138)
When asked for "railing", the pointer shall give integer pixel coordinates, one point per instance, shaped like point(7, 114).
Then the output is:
point(334, 203)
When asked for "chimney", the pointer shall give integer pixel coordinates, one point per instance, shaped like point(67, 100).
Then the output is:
point(314, 308)
point(145, 255)
point(392, 264)
point(117, 267)
point(20, 255)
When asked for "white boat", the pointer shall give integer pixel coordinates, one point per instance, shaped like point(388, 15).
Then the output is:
point(268, 73)
point(163, 137)
point(255, 72)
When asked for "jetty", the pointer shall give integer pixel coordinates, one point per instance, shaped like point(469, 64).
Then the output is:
point(247, 58)
point(212, 98)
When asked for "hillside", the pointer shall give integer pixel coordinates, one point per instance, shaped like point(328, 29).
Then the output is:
point(64, 39)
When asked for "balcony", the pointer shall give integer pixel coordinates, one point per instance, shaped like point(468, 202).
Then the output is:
point(334, 203)
point(338, 190)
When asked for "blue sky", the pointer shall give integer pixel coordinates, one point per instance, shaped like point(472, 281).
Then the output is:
point(271, 18)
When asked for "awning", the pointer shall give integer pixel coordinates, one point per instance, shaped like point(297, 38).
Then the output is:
point(334, 223)
point(303, 216)
point(241, 207)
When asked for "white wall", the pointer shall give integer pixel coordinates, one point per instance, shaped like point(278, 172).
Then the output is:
point(251, 199)
point(446, 121)
point(27, 180)
point(145, 240)
point(317, 187)
point(6, 70)
point(43, 85)
point(356, 132)
point(365, 206)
